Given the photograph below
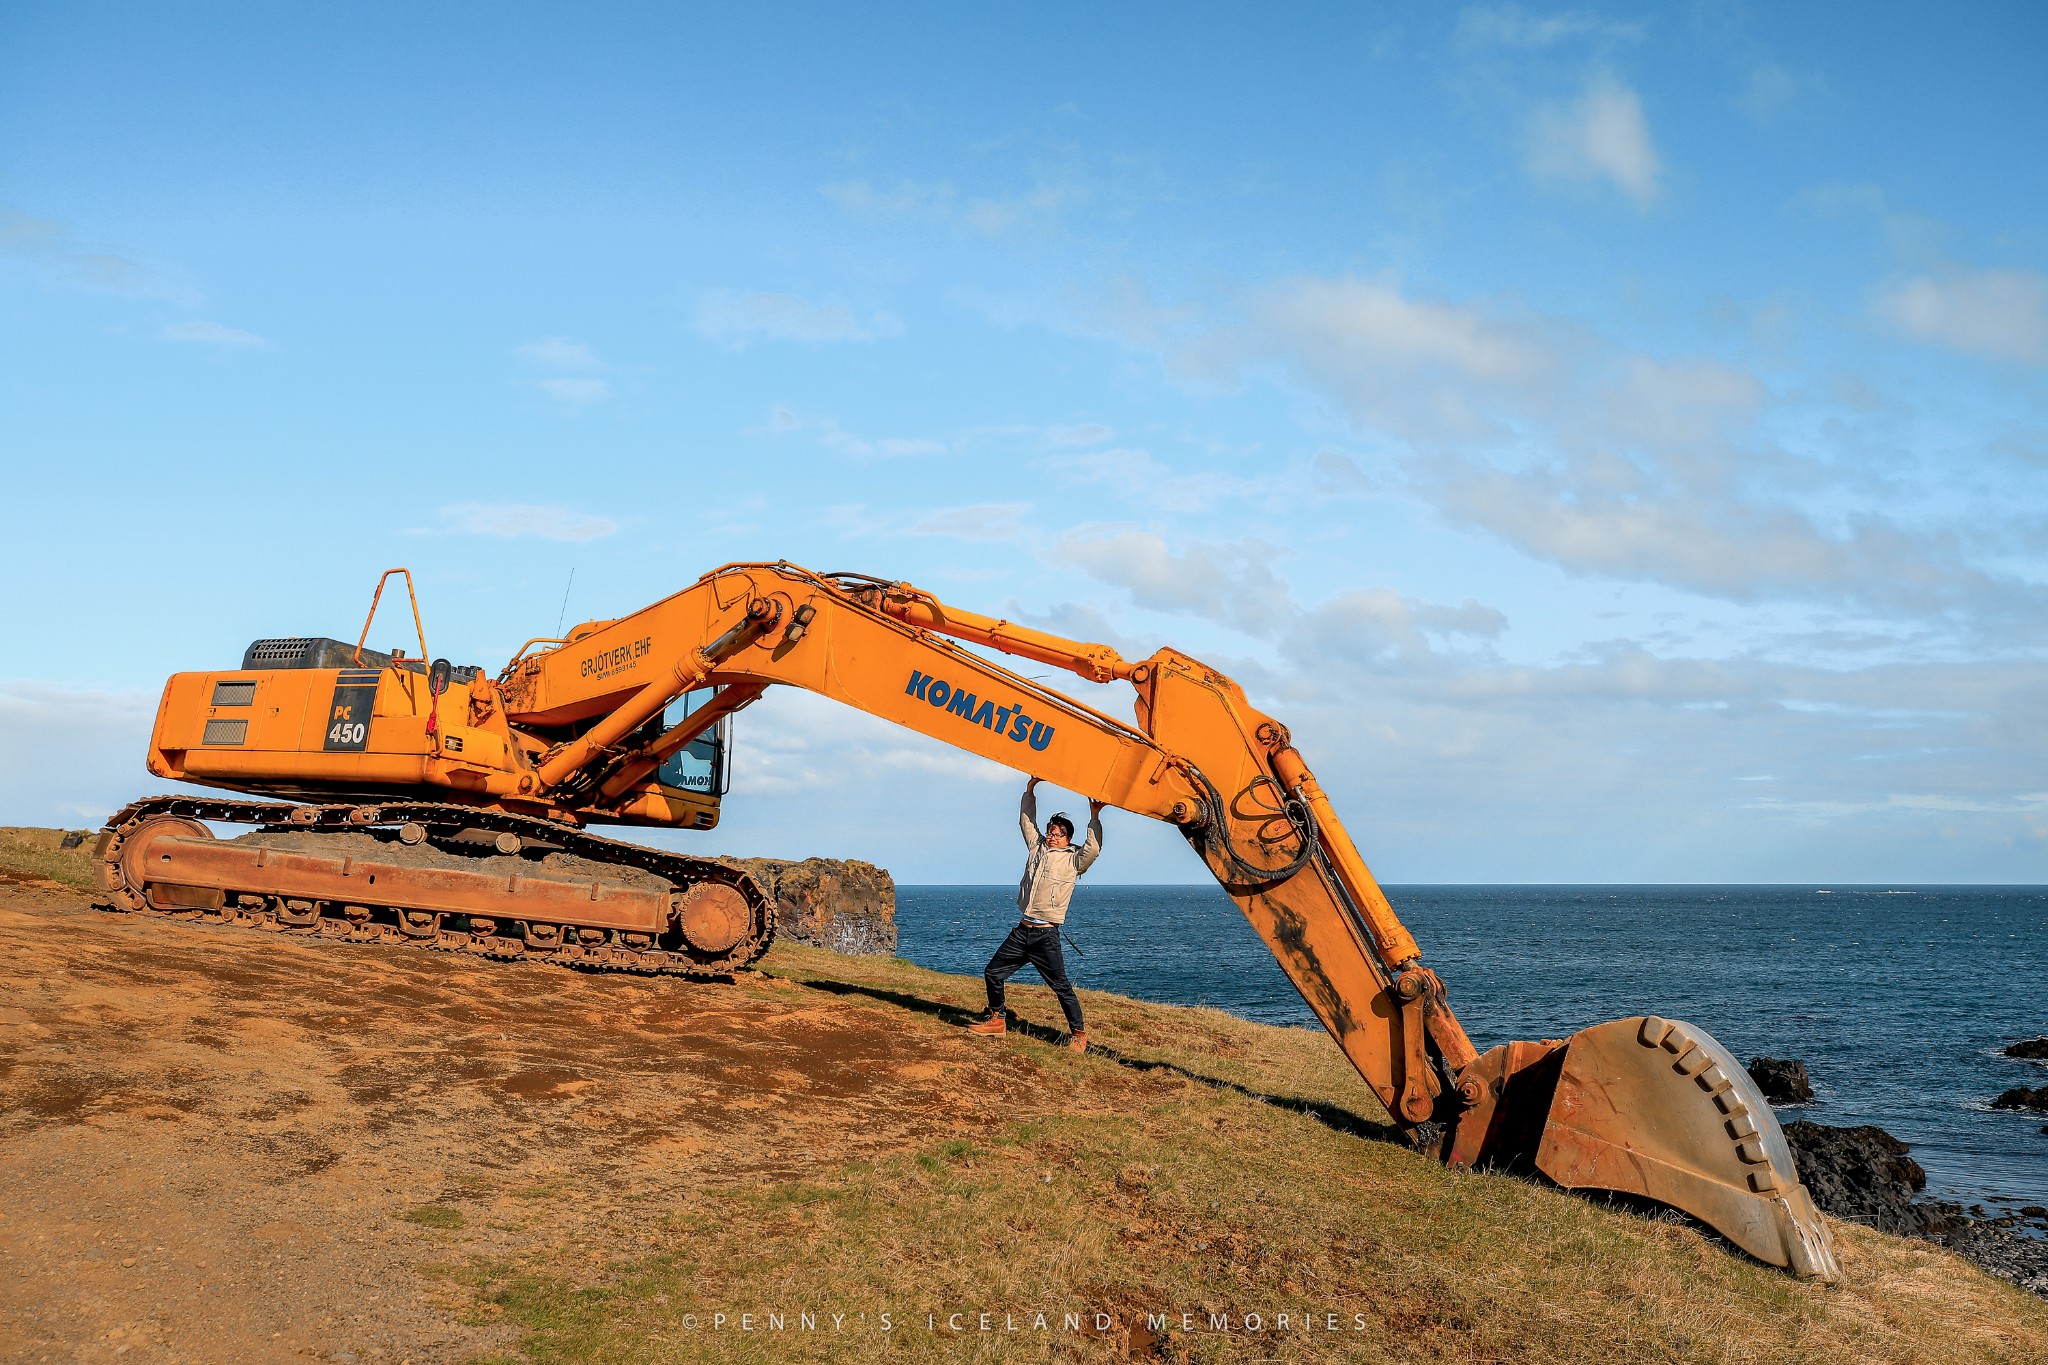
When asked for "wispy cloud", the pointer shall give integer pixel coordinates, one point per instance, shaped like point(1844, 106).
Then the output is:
point(1609, 463)
point(560, 353)
point(1769, 90)
point(1229, 582)
point(547, 521)
point(977, 521)
point(51, 248)
point(981, 521)
point(211, 334)
point(1140, 478)
point(737, 318)
point(1603, 135)
point(1998, 313)
point(1037, 208)
point(1513, 26)
point(577, 388)
point(1080, 434)
point(575, 392)
point(830, 434)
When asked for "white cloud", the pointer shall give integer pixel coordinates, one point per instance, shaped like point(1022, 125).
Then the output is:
point(1998, 313)
point(577, 389)
point(560, 353)
point(1080, 434)
point(1037, 208)
point(1231, 582)
point(736, 318)
point(1372, 627)
point(211, 334)
point(980, 521)
point(74, 755)
point(1771, 89)
point(1602, 135)
point(510, 519)
point(1139, 478)
point(1417, 366)
point(1371, 324)
point(1602, 461)
point(1336, 475)
point(576, 393)
point(1512, 26)
point(783, 422)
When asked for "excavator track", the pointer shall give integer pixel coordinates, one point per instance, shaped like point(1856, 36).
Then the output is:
point(156, 857)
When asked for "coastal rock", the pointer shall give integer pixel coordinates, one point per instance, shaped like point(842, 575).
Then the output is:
point(1782, 1080)
point(2030, 1050)
point(845, 905)
point(2019, 1097)
point(2003, 1252)
point(1864, 1174)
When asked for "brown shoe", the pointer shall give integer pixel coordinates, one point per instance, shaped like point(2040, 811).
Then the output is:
point(1078, 1042)
point(995, 1026)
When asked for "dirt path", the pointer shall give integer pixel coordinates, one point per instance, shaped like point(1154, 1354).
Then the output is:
point(225, 1145)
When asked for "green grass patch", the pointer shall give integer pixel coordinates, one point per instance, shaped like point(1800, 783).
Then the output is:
point(435, 1216)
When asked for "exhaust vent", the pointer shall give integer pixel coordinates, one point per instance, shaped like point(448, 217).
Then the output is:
point(234, 693)
point(225, 732)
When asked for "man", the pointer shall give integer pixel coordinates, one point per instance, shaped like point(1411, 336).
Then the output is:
point(1050, 872)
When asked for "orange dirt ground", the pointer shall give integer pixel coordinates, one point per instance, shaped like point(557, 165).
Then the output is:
point(210, 1138)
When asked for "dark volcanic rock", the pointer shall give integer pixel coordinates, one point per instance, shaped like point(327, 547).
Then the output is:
point(2032, 1050)
point(849, 906)
point(2019, 1097)
point(1864, 1174)
point(1783, 1080)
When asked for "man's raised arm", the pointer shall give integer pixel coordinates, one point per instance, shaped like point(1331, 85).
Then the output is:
point(1092, 849)
point(1027, 815)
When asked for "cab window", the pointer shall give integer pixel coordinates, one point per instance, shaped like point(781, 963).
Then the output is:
point(698, 766)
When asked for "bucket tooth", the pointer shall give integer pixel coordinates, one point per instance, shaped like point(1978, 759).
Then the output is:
point(1655, 1107)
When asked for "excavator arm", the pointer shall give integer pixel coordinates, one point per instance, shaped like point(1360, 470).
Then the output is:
point(1199, 758)
point(1642, 1106)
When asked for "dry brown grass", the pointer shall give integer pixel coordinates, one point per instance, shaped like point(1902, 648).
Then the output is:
point(1204, 1165)
point(39, 853)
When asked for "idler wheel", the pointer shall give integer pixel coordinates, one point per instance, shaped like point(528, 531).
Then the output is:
point(713, 918)
point(136, 864)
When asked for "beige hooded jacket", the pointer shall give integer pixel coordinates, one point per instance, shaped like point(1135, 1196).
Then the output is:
point(1050, 873)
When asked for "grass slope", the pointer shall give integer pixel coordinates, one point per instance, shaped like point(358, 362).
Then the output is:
point(1207, 1189)
point(1200, 1188)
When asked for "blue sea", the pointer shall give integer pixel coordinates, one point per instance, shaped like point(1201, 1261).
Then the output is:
point(1897, 998)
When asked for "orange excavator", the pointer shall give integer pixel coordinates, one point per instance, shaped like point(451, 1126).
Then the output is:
point(419, 803)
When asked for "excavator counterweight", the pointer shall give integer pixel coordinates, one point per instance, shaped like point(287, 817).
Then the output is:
point(411, 801)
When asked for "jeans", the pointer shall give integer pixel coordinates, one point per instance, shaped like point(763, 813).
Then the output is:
point(1040, 948)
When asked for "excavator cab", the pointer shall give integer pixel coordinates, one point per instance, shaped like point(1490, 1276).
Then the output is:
point(700, 765)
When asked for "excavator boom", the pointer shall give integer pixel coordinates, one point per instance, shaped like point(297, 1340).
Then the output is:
point(586, 730)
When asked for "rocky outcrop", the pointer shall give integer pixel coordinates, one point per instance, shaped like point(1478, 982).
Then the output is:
point(2031, 1050)
point(1864, 1174)
point(1782, 1080)
point(2020, 1097)
point(847, 906)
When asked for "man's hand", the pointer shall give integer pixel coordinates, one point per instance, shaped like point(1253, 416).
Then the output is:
point(1095, 808)
point(1031, 784)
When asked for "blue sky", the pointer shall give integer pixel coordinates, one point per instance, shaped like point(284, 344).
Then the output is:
point(1612, 438)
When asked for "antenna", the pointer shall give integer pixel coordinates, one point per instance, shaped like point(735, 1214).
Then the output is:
point(563, 614)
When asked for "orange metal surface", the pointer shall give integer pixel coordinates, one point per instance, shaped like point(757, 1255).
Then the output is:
point(186, 862)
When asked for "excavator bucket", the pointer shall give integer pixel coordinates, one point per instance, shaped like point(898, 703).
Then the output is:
point(1655, 1107)
point(1649, 1107)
